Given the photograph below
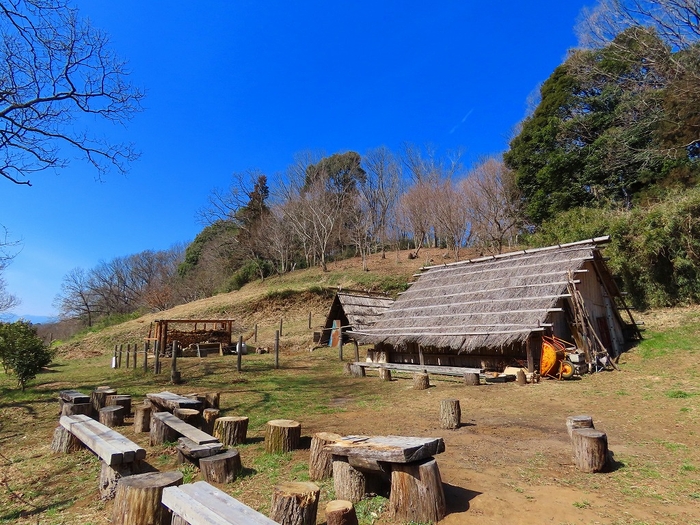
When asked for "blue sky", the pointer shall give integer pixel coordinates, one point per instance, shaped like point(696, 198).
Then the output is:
point(238, 85)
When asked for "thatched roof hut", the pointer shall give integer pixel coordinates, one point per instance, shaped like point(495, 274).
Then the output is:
point(354, 310)
point(483, 312)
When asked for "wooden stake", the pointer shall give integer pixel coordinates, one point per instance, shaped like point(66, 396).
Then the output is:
point(239, 353)
point(277, 349)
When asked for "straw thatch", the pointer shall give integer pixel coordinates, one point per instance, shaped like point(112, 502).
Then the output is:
point(492, 302)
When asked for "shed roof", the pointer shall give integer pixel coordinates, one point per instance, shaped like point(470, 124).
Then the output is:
point(362, 309)
point(489, 302)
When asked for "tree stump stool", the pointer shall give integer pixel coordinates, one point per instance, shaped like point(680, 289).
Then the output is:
point(221, 468)
point(112, 416)
point(450, 414)
point(590, 449)
point(64, 441)
point(281, 435)
point(231, 430)
point(421, 381)
point(138, 497)
point(142, 418)
point(340, 512)
point(211, 400)
point(520, 378)
point(72, 409)
point(191, 416)
point(349, 483)
point(357, 370)
point(384, 374)
point(110, 476)
point(471, 379)
point(161, 433)
point(98, 399)
point(295, 503)
point(573, 422)
point(416, 492)
point(209, 416)
point(119, 400)
point(347, 369)
point(320, 461)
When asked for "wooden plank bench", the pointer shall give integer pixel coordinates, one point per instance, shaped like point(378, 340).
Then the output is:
point(193, 443)
point(169, 401)
point(108, 444)
point(202, 504)
point(73, 396)
point(456, 371)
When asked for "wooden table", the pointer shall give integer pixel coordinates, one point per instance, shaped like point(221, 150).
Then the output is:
point(169, 401)
point(390, 449)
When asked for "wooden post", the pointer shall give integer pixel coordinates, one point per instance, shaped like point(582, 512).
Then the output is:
point(239, 352)
point(573, 422)
point(421, 381)
point(309, 320)
point(142, 418)
point(384, 374)
point(472, 379)
point(450, 414)
point(161, 433)
point(114, 357)
point(295, 502)
point(520, 378)
point(320, 461)
point(533, 347)
point(357, 370)
point(255, 336)
point(340, 512)
point(145, 356)
point(590, 449)
point(128, 354)
point(221, 468)
point(175, 376)
point(421, 359)
point(357, 350)
point(119, 357)
point(277, 349)
point(156, 360)
point(416, 492)
point(136, 352)
point(138, 498)
point(280, 327)
point(282, 435)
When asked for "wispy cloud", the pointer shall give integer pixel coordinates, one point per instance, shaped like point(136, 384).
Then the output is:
point(464, 119)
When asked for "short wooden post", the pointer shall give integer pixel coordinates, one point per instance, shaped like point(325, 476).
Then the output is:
point(282, 435)
point(472, 379)
point(357, 370)
point(138, 498)
point(119, 356)
point(280, 327)
point(416, 492)
point(119, 400)
point(340, 512)
point(520, 378)
point(450, 414)
point(128, 354)
point(231, 430)
point(349, 483)
point(145, 357)
point(136, 352)
point(112, 416)
point(277, 349)
point(385, 374)
point(142, 418)
point(573, 422)
point(114, 357)
point(64, 441)
point(161, 433)
point(221, 468)
point(590, 449)
point(190, 416)
point(320, 461)
point(156, 359)
point(239, 352)
point(421, 381)
point(255, 335)
point(98, 399)
point(209, 416)
point(309, 320)
point(295, 503)
point(175, 376)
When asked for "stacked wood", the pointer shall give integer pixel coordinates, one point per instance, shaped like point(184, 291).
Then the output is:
point(120, 400)
point(349, 483)
point(221, 468)
point(340, 512)
point(211, 400)
point(112, 416)
point(161, 433)
point(295, 503)
point(209, 416)
point(590, 449)
point(416, 492)
point(282, 435)
point(138, 498)
point(320, 460)
point(450, 414)
point(64, 441)
point(471, 379)
point(573, 422)
point(384, 374)
point(357, 370)
point(71, 409)
point(98, 399)
point(231, 430)
point(142, 418)
point(190, 416)
point(421, 381)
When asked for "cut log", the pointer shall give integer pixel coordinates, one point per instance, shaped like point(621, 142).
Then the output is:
point(120, 400)
point(416, 492)
point(142, 418)
point(384, 374)
point(281, 435)
point(340, 512)
point(295, 503)
point(520, 378)
point(211, 400)
point(471, 379)
point(357, 371)
point(590, 449)
point(71, 409)
point(161, 432)
point(349, 483)
point(450, 414)
point(347, 369)
point(190, 416)
point(110, 476)
point(64, 441)
point(209, 415)
point(231, 430)
point(138, 498)
point(573, 422)
point(98, 399)
point(221, 468)
point(321, 461)
point(112, 416)
point(421, 381)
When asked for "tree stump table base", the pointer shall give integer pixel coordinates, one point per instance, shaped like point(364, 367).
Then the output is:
point(320, 461)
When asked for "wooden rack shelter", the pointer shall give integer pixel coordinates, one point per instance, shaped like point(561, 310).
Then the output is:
point(221, 331)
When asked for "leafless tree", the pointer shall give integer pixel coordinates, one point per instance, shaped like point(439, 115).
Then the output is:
point(76, 300)
point(451, 211)
point(7, 253)
point(415, 213)
point(55, 68)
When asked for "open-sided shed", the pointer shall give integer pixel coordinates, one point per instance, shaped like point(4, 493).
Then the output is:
point(354, 310)
point(493, 311)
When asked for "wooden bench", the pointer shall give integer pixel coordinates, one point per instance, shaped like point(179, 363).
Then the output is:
point(456, 371)
point(178, 428)
point(109, 445)
point(73, 396)
point(169, 401)
point(202, 504)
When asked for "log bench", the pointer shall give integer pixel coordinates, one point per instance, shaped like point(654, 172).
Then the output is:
point(169, 401)
point(456, 371)
point(167, 427)
point(119, 455)
point(416, 492)
point(74, 402)
point(202, 504)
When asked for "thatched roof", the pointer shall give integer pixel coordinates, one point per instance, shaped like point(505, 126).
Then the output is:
point(362, 310)
point(488, 302)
